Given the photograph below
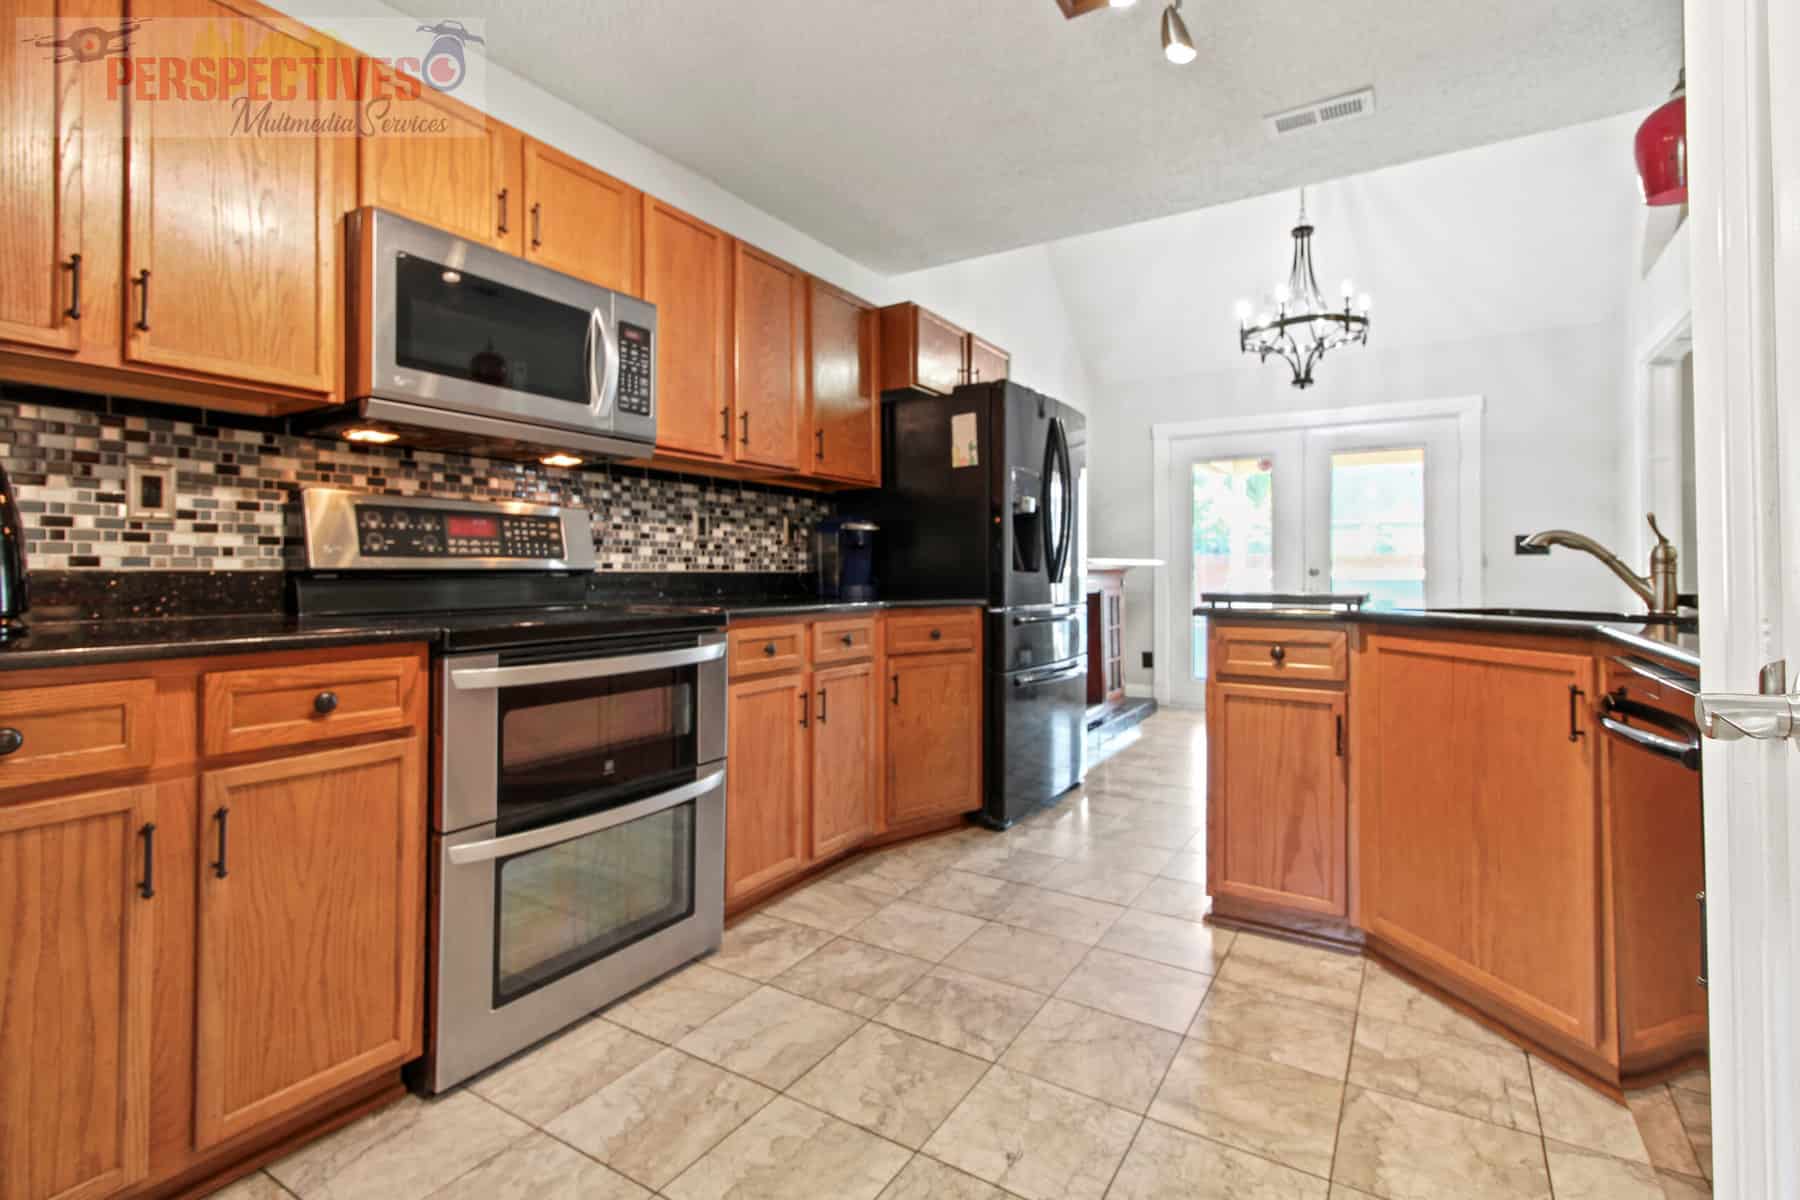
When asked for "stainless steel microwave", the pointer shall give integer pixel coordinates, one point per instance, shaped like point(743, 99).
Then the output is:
point(457, 345)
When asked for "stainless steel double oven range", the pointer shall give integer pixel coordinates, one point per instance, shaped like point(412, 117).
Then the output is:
point(578, 782)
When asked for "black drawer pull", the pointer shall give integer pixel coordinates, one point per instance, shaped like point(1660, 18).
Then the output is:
point(1340, 737)
point(1278, 655)
point(10, 740)
point(769, 649)
point(147, 889)
point(819, 436)
point(744, 417)
point(73, 312)
point(896, 689)
point(821, 706)
point(537, 225)
point(325, 702)
point(142, 283)
point(1576, 733)
point(219, 868)
point(937, 635)
point(848, 640)
point(502, 228)
point(804, 700)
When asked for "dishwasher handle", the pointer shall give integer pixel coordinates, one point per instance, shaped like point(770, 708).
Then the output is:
point(1684, 750)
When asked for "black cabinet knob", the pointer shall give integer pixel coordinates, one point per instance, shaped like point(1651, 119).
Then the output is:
point(325, 702)
point(769, 649)
point(10, 740)
point(847, 640)
point(937, 635)
point(1278, 654)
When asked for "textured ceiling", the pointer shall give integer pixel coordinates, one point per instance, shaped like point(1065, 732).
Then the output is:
point(909, 133)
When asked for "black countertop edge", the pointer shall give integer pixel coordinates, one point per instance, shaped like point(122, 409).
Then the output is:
point(1625, 630)
point(748, 611)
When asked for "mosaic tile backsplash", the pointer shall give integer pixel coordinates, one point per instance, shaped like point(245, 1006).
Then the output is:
point(237, 483)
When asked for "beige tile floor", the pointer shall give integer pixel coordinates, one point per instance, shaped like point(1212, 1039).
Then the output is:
point(1033, 1014)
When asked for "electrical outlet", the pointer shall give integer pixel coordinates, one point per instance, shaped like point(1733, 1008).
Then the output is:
point(149, 491)
point(1149, 661)
point(1519, 546)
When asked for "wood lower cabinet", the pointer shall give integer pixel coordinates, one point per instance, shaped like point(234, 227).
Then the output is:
point(846, 763)
point(934, 736)
point(466, 180)
point(182, 992)
point(769, 376)
point(1277, 791)
point(766, 789)
point(582, 222)
point(311, 936)
point(919, 349)
point(843, 400)
point(1480, 823)
point(75, 994)
point(687, 275)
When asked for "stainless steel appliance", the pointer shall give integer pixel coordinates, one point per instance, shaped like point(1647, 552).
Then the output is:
point(455, 344)
point(15, 595)
point(981, 499)
point(578, 815)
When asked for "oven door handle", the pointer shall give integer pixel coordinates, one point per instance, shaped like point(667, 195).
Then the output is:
point(476, 679)
point(568, 831)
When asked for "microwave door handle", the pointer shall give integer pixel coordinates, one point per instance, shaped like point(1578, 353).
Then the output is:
point(568, 831)
point(476, 679)
point(601, 384)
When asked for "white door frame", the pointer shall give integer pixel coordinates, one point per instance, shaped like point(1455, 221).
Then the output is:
point(1744, 150)
point(1466, 410)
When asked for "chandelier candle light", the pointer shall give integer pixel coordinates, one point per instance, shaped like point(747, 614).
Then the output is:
point(1299, 327)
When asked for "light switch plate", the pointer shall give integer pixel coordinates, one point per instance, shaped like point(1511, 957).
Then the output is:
point(150, 490)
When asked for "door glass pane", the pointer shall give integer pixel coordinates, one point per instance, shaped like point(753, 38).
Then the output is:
point(570, 904)
point(1234, 533)
point(1378, 525)
point(449, 322)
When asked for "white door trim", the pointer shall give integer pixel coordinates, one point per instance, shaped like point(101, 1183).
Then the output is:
point(1744, 150)
point(1467, 411)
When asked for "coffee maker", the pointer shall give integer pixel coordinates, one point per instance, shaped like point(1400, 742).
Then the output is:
point(14, 597)
point(846, 558)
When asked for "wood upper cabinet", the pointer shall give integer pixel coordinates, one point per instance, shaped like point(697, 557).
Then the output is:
point(1277, 790)
point(842, 397)
point(687, 275)
point(769, 320)
point(312, 924)
point(766, 793)
point(465, 180)
point(845, 761)
point(231, 254)
point(919, 349)
point(1480, 830)
point(934, 736)
point(582, 222)
point(984, 362)
point(43, 205)
point(75, 969)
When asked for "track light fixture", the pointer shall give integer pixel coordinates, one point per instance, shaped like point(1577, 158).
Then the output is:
point(1178, 44)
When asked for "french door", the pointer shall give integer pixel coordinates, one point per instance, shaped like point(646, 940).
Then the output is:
point(1373, 506)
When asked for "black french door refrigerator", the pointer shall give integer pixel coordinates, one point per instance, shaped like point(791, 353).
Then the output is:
point(980, 499)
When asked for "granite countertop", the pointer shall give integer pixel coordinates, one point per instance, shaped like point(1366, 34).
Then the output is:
point(1675, 639)
point(52, 643)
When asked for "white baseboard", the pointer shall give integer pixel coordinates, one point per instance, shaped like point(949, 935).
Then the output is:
point(1140, 691)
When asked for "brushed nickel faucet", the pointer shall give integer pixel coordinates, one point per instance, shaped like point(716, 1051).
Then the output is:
point(1657, 589)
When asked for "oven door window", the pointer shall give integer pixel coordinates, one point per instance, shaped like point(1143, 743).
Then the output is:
point(450, 322)
point(563, 907)
point(569, 749)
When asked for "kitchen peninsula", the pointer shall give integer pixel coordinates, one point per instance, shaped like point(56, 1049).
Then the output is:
point(1504, 804)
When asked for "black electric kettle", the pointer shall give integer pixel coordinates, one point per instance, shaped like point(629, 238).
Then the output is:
point(15, 599)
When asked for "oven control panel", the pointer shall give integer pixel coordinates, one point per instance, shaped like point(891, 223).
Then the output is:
point(634, 369)
point(392, 531)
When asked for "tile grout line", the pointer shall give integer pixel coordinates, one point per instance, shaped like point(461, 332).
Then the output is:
point(1160, 1083)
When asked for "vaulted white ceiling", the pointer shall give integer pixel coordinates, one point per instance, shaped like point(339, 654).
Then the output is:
point(909, 133)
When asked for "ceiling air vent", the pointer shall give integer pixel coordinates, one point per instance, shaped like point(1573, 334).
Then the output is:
point(1323, 112)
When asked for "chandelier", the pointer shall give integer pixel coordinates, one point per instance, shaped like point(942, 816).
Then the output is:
point(1297, 326)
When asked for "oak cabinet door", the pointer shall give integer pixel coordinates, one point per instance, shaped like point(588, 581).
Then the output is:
point(1480, 824)
point(43, 206)
point(934, 734)
point(311, 929)
point(464, 180)
point(769, 317)
point(765, 808)
point(687, 275)
point(919, 349)
point(846, 707)
point(1277, 797)
point(985, 362)
point(75, 992)
point(231, 238)
point(842, 397)
point(582, 222)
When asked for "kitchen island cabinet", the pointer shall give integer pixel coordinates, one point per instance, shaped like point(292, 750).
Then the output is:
point(212, 915)
point(1445, 798)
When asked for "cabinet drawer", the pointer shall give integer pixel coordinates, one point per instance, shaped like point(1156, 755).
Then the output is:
point(934, 632)
point(1295, 654)
point(76, 729)
point(848, 640)
point(264, 707)
point(768, 649)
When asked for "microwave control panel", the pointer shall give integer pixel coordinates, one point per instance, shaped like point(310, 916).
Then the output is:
point(635, 355)
point(391, 531)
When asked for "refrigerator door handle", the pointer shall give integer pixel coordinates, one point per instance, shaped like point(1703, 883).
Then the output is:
point(1058, 520)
